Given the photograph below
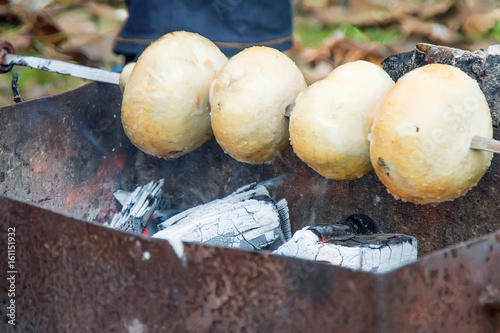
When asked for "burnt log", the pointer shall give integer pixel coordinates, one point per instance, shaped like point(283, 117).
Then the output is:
point(246, 219)
point(137, 207)
point(352, 243)
point(481, 65)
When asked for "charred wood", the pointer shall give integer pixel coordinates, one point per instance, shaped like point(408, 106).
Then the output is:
point(15, 88)
point(247, 219)
point(355, 243)
point(137, 207)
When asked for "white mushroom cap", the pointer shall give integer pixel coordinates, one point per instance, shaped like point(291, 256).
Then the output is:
point(125, 75)
point(421, 136)
point(331, 120)
point(248, 100)
point(165, 110)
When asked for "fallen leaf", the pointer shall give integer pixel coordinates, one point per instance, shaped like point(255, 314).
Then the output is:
point(30, 6)
point(480, 23)
point(434, 32)
point(343, 15)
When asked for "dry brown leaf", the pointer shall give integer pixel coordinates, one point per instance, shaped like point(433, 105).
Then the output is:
point(312, 4)
point(429, 10)
point(45, 28)
point(100, 10)
point(40, 25)
point(343, 15)
point(434, 32)
point(92, 29)
point(480, 23)
point(87, 54)
point(19, 41)
point(314, 54)
point(69, 3)
point(366, 12)
point(345, 50)
point(319, 71)
point(30, 6)
point(49, 51)
point(77, 23)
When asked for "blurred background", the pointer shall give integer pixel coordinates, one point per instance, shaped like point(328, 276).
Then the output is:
point(327, 33)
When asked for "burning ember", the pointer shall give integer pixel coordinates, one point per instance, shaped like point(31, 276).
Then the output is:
point(247, 219)
point(251, 219)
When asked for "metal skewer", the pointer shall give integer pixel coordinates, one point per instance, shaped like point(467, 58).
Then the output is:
point(8, 60)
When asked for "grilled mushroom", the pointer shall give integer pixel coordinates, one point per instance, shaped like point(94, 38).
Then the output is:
point(421, 136)
point(165, 110)
point(331, 120)
point(248, 100)
point(125, 75)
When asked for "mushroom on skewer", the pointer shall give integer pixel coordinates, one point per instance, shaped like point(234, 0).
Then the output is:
point(421, 137)
point(165, 110)
point(249, 98)
point(330, 122)
point(125, 75)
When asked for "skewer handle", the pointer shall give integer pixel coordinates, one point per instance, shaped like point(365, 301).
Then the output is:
point(481, 143)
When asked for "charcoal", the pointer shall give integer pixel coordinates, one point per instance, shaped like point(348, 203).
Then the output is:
point(355, 242)
point(247, 219)
point(138, 207)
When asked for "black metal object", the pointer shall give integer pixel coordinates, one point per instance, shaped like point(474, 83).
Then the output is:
point(68, 154)
point(65, 152)
point(15, 88)
point(81, 277)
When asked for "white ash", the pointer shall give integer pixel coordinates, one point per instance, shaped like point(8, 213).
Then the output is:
point(178, 248)
point(247, 219)
point(138, 207)
point(493, 50)
point(375, 253)
point(146, 255)
point(250, 219)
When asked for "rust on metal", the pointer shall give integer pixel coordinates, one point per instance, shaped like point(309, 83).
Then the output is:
point(76, 276)
point(62, 158)
point(65, 152)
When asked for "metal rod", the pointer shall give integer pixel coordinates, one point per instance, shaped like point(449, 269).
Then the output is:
point(62, 67)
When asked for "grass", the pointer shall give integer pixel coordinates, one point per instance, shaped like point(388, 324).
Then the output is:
point(8, 27)
point(494, 33)
point(313, 36)
point(382, 36)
